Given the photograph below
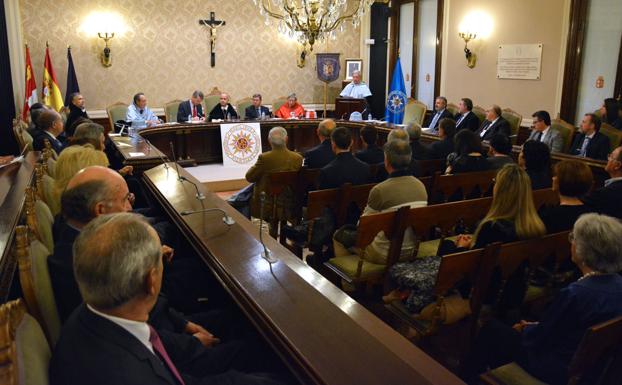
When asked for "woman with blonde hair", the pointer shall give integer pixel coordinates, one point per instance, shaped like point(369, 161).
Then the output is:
point(512, 216)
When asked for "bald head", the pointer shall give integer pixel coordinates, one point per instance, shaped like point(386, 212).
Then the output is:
point(326, 128)
point(92, 173)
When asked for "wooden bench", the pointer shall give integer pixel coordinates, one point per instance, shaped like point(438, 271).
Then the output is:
point(462, 186)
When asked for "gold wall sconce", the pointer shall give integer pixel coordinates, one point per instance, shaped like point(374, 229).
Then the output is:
point(470, 56)
point(105, 57)
point(104, 26)
point(479, 25)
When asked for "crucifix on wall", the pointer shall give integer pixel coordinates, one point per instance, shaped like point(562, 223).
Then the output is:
point(212, 24)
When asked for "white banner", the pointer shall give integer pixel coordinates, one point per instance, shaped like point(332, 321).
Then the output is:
point(519, 61)
point(241, 143)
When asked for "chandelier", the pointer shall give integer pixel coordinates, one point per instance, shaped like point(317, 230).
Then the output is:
point(310, 21)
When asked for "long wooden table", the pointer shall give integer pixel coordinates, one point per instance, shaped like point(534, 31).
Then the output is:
point(323, 335)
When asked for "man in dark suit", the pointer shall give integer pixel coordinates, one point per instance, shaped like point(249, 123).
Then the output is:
point(499, 152)
point(465, 118)
point(372, 153)
point(322, 154)
point(107, 340)
point(256, 111)
point(76, 111)
point(419, 151)
point(223, 110)
point(51, 126)
point(345, 168)
point(441, 148)
point(590, 143)
point(441, 112)
point(607, 199)
point(494, 124)
point(191, 109)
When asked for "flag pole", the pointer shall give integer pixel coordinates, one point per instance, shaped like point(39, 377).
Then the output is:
point(325, 88)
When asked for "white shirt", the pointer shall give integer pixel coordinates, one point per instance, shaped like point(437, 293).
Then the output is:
point(50, 134)
point(357, 91)
point(548, 128)
point(140, 330)
point(612, 180)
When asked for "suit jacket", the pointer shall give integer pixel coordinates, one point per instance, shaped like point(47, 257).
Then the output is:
point(251, 112)
point(607, 200)
point(38, 142)
point(553, 139)
point(319, 156)
point(216, 112)
point(470, 122)
point(419, 151)
point(345, 168)
point(185, 109)
point(441, 148)
point(496, 162)
point(501, 126)
point(597, 148)
point(280, 159)
point(371, 155)
point(444, 114)
point(74, 114)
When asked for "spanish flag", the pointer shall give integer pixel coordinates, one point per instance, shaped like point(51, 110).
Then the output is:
point(31, 87)
point(51, 93)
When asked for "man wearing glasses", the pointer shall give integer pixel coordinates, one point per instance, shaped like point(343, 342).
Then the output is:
point(543, 132)
point(607, 199)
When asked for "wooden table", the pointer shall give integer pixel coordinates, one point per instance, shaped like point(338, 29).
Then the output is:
point(323, 335)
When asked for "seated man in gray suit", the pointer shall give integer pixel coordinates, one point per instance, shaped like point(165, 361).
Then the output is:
point(543, 132)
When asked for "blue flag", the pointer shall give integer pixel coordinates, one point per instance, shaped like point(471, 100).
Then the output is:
point(72, 80)
point(396, 101)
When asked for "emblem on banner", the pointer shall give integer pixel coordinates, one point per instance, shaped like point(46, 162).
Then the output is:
point(241, 144)
point(328, 66)
point(396, 102)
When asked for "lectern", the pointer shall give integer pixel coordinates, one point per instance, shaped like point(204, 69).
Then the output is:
point(345, 106)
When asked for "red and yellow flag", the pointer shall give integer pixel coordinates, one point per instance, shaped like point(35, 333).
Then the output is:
point(51, 93)
point(31, 87)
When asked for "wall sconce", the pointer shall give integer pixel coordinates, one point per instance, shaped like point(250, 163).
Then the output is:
point(470, 56)
point(105, 57)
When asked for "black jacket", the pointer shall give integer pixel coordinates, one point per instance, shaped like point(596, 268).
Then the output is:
point(345, 168)
point(607, 199)
point(470, 122)
point(444, 114)
point(440, 149)
point(216, 112)
point(419, 151)
point(251, 112)
point(74, 114)
point(597, 148)
point(501, 126)
point(371, 155)
point(38, 142)
point(184, 110)
point(319, 156)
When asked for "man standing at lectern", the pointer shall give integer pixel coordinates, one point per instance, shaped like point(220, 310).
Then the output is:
point(356, 89)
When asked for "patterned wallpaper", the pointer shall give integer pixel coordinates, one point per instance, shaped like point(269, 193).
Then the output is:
point(165, 53)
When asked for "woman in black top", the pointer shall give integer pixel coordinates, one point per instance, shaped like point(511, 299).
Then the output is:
point(609, 111)
point(468, 156)
point(535, 158)
point(572, 179)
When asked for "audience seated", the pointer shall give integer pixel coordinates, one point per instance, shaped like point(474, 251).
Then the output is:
point(442, 148)
point(291, 109)
point(590, 143)
point(512, 216)
point(499, 152)
point(545, 348)
point(607, 199)
point(419, 151)
point(543, 132)
point(535, 158)
point(280, 158)
point(572, 179)
point(371, 152)
point(35, 111)
point(415, 169)
point(400, 189)
point(465, 118)
point(345, 168)
point(118, 268)
point(468, 154)
point(441, 112)
point(322, 154)
point(76, 111)
point(50, 125)
point(494, 124)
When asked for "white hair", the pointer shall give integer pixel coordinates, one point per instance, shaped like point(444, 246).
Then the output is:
point(277, 136)
point(597, 242)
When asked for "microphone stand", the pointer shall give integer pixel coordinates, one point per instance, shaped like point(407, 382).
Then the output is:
point(199, 195)
point(159, 154)
point(226, 218)
point(266, 254)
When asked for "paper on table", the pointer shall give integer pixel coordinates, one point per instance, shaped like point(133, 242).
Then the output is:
point(121, 144)
point(136, 154)
point(15, 160)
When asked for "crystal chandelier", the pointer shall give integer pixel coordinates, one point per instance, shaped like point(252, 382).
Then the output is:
point(309, 21)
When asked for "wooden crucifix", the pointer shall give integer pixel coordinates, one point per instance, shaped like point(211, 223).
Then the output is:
point(212, 24)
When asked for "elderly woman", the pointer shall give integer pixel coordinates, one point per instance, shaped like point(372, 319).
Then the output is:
point(546, 348)
point(291, 109)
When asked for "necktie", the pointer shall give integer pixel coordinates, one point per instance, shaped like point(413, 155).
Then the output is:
point(259, 113)
point(194, 111)
point(154, 338)
point(583, 152)
point(435, 120)
point(483, 133)
point(460, 120)
point(538, 137)
point(141, 111)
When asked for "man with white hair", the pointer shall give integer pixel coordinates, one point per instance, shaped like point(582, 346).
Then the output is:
point(223, 110)
point(279, 159)
point(356, 89)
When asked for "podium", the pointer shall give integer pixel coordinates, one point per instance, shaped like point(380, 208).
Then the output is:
point(345, 106)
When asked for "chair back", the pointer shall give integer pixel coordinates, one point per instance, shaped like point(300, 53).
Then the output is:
point(414, 111)
point(515, 119)
point(453, 109)
point(25, 353)
point(39, 218)
point(544, 198)
point(45, 186)
point(242, 105)
point(466, 185)
point(36, 284)
point(277, 103)
point(600, 347)
point(430, 167)
point(566, 129)
point(614, 135)
point(117, 111)
point(170, 110)
point(480, 112)
point(22, 137)
point(211, 100)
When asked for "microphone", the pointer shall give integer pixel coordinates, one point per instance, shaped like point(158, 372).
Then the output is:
point(225, 217)
point(199, 195)
point(175, 161)
point(267, 254)
point(159, 154)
